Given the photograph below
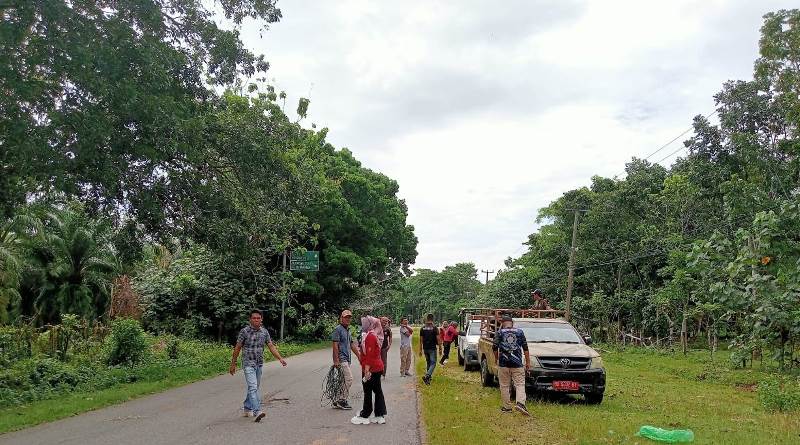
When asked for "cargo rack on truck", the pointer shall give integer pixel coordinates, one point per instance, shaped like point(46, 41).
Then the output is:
point(468, 314)
point(491, 319)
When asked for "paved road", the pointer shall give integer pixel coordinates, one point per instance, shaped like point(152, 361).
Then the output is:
point(207, 413)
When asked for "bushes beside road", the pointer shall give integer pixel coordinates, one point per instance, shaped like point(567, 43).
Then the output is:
point(99, 370)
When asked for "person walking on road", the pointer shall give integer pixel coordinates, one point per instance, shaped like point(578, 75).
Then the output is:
point(429, 341)
point(405, 347)
point(509, 345)
point(372, 367)
point(448, 335)
point(343, 344)
point(387, 343)
point(251, 340)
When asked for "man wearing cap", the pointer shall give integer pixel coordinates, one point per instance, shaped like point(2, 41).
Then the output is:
point(539, 302)
point(343, 345)
point(509, 345)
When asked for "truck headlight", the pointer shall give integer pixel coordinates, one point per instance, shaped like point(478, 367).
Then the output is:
point(597, 362)
point(535, 362)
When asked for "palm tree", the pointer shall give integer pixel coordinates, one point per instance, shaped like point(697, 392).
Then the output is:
point(75, 264)
point(12, 252)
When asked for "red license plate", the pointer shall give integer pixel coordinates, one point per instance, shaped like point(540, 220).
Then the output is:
point(565, 385)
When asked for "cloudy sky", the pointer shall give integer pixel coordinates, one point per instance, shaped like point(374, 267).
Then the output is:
point(485, 112)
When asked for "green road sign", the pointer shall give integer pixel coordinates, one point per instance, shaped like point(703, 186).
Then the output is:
point(307, 261)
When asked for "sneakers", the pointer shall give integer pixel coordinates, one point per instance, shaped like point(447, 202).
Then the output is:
point(427, 380)
point(260, 415)
point(246, 412)
point(520, 407)
point(358, 420)
point(380, 420)
point(505, 409)
point(345, 405)
point(408, 374)
point(336, 405)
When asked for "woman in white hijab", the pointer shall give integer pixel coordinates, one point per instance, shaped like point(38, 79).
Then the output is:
point(372, 366)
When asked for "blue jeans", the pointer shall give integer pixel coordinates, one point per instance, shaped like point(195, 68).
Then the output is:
point(430, 358)
point(252, 377)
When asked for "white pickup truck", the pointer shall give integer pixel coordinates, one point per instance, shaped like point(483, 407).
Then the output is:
point(468, 345)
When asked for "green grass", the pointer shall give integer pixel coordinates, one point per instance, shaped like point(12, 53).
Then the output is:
point(199, 361)
point(643, 388)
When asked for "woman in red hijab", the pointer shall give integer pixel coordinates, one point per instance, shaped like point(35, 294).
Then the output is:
point(372, 367)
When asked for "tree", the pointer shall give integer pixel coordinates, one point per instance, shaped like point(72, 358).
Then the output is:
point(106, 101)
point(72, 265)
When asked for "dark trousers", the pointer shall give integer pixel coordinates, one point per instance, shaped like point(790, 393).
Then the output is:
point(430, 360)
point(384, 357)
point(446, 353)
point(373, 385)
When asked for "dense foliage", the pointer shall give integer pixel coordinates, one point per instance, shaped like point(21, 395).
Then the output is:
point(706, 249)
point(140, 138)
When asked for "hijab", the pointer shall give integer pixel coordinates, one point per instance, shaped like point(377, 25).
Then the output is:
point(371, 324)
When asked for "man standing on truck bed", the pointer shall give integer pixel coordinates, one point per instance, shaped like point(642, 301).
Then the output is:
point(429, 340)
point(509, 344)
point(539, 302)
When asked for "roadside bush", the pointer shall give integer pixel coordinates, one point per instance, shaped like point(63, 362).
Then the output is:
point(316, 329)
point(172, 347)
point(53, 373)
point(10, 346)
point(127, 344)
point(779, 394)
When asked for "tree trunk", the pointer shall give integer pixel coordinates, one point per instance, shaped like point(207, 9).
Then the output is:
point(684, 339)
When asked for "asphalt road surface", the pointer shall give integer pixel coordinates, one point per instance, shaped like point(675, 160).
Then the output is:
point(207, 412)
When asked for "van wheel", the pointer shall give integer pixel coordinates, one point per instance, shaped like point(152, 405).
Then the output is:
point(460, 358)
point(487, 379)
point(594, 398)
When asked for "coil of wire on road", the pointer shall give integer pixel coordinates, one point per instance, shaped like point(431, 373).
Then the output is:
point(334, 387)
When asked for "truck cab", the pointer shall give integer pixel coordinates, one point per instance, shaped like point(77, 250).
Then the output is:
point(561, 360)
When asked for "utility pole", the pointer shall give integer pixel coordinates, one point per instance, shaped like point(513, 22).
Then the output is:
point(571, 276)
point(487, 272)
point(283, 293)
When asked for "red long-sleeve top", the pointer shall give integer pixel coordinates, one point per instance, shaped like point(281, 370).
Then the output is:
point(372, 354)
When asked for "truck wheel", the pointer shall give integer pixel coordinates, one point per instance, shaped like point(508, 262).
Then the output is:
point(594, 398)
point(460, 358)
point(487, 379)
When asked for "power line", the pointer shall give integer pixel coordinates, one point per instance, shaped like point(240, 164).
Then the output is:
point(671, 142)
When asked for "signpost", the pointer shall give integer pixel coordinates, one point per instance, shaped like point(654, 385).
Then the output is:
point(299, 261)
point(307, 261)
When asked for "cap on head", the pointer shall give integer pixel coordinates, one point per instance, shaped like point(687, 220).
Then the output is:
point(346, 313)
point(507, 317)
point(537, 292)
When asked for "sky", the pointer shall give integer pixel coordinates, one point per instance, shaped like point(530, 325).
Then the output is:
point(485, 112)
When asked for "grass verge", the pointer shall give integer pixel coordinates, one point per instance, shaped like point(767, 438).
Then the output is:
point(644, 388)
point(198, 361)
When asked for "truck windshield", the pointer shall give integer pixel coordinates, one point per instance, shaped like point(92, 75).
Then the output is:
point(548, 332)
point(474, 328)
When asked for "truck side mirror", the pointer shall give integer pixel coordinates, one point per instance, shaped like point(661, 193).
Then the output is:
point(587, 339)
point(462, 334)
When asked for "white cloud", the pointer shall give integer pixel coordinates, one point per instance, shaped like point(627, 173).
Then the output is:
point(486, 112)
